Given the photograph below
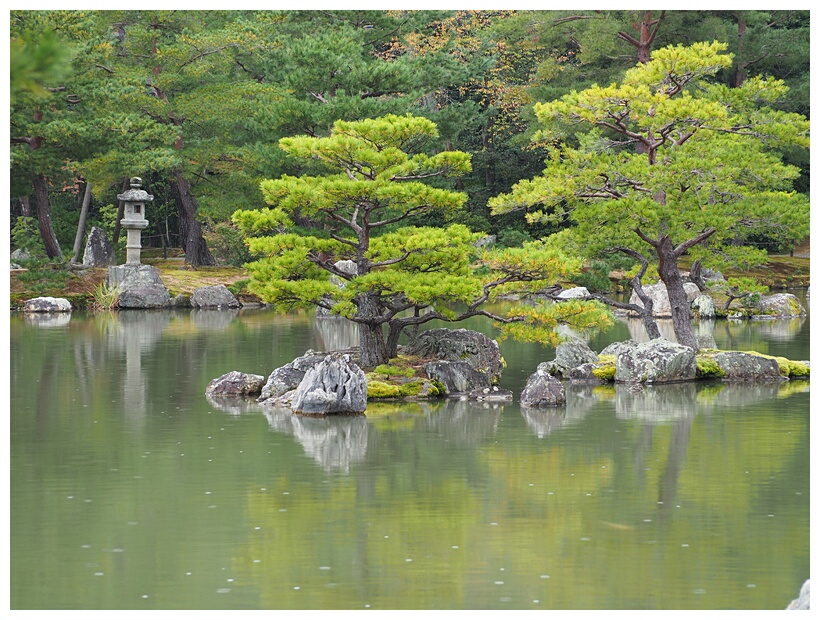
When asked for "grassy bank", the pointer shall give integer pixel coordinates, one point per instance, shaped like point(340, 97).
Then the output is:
point(77, 285)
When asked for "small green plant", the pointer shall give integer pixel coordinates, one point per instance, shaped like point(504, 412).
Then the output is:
point(104, 298)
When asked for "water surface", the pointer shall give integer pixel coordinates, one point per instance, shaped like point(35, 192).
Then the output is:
point(131, 490)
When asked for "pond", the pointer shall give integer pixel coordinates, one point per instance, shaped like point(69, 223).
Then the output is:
point(129, 489)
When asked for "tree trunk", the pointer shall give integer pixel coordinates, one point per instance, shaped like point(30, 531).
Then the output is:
point(78, 239)
point(670, 276)
point(371, 335)
point(120, 212)
point(44, 217)
point(190, 230)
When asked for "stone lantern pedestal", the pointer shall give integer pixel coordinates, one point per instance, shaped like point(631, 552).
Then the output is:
point(139, 285)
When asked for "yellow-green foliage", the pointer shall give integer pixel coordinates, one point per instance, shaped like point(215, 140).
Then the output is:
point(388, 370)
point(606, 372)
point(383, 389)
point(708, 368)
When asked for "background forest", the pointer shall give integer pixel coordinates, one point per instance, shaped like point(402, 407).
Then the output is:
point(195, 103)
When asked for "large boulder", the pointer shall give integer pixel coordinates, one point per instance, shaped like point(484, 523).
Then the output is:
point(334, 385)
point(781, 305)
point(98, 250)
point(152, 296)
point(656, 361)
point(739, 366)
point(570, 354)
point(543, 390)
point(703, 307)
point(457, 377)
point(288, 377)
point(217, 296)
point(125, 277)
point(577, 292)
point(47, 304)
point(235, 382)
point(661, 307)
point(459, 345)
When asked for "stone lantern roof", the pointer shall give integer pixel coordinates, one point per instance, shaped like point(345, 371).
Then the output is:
point(136, 193)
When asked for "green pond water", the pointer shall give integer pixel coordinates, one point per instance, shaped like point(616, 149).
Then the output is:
point(129, 489)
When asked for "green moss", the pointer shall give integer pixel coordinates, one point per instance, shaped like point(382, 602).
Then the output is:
point(382, 389)
point(708, 368)
point(604, 372)
point(389, 370)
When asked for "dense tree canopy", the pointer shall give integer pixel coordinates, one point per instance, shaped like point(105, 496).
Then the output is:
point(668, 159)
point(376, 179)
point(196, 103)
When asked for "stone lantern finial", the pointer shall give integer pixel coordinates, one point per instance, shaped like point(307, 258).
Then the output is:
point(133, 219)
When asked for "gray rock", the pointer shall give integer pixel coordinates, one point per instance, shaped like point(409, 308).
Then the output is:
point(739, 366)
point(235, 382)
point(583, 373)
point(781, 305)
point(802, 601)
point(572, 353)
point(543, 390)
point(144, 297)
point(493, 393)
point(125, 277)
point(47, 304)
point(656, 361)
point(704, 307)
point(459, 345)
point(616, 347)
point(288, 377)
point(660, 297)
point(217, 296)
point(577, 292)
point(334, 385)
point(15, 266)
point(457, 377)
point(98, 250)
point(21, 254)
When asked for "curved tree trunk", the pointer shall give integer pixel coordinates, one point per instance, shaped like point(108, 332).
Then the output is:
point(670, 276)
point(190, 230)
point(371, 335)
point(44, 217)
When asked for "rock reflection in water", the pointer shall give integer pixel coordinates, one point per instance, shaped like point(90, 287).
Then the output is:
point(335, 442)
point(213, 319)
point(581, 398)
point(466, 422)
point(655, 403)
point(47, 319)
point(233, 405)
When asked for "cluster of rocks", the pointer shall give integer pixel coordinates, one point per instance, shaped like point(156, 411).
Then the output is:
point(465, 363)
point(140, 287)
point(654, 362)
point(313, 384)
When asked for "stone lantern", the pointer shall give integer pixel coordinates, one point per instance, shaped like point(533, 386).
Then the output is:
point(134, 220)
